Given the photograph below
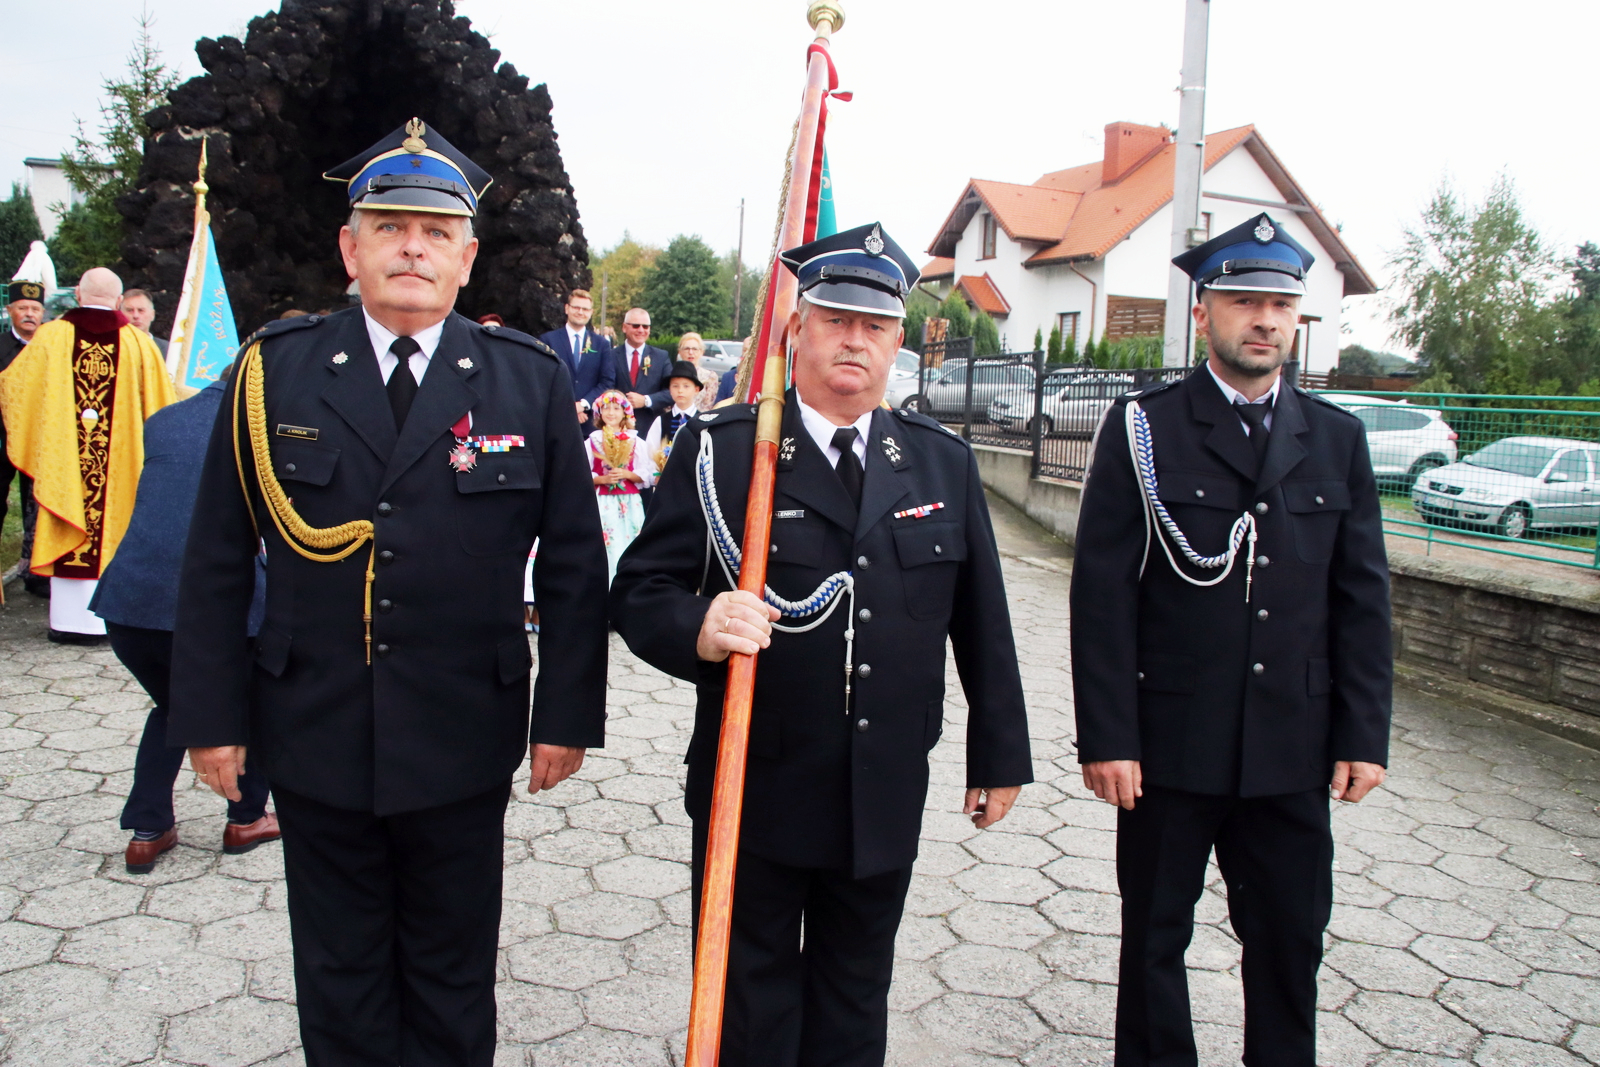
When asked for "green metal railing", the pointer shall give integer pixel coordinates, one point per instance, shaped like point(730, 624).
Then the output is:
point(1524, 480)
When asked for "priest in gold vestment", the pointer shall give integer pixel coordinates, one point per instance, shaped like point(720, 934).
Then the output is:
point(74, 402)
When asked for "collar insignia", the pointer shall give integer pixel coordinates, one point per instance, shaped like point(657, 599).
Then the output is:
point(1264, 231)
point(340, 358)
point(786, 451)
point(464, 363)
point(891, 450)
point(708, 416)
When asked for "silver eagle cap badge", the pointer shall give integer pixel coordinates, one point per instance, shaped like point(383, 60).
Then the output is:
point(1264, 231)
point(873, 242)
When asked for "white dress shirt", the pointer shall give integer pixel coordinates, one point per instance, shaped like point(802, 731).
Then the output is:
point(822, 431)
point(1270, 398)
point(387, 361)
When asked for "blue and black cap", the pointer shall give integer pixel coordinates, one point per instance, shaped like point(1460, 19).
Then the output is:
point(1255, 256)
point(854, 270)
point(413, 169)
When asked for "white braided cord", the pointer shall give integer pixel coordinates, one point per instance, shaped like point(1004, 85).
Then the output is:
point(825, 598)
point(1142, 448)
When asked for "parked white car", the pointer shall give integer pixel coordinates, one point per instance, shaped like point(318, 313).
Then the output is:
point(1405, 440)
point(721, 355)
point(1074, 403)
point(945, 387)
point(1516, 485)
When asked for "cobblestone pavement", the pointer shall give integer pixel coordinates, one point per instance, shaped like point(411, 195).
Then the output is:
point(1466, 928)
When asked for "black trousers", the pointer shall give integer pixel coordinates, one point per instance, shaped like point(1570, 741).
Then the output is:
point(1276, 856)
point(148, 656)
point(395, 920)
point(817, 1000)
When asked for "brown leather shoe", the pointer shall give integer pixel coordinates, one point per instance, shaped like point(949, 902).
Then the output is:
point(237, 840)
point(142, 855)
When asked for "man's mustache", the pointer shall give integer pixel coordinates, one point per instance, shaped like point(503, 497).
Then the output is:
point(851, 359)
point(416, 269)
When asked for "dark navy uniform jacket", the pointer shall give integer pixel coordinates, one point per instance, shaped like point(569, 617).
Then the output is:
point(443, 711)
point(825, 788)
point(1212, 694)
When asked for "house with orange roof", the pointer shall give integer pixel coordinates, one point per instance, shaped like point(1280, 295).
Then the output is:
point(1088, 248)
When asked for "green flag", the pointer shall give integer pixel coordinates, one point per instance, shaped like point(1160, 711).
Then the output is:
point(827, 221)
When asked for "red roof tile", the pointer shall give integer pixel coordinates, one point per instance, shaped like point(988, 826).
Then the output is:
point(938, 267)
point(1074, 215)
point(983, 294)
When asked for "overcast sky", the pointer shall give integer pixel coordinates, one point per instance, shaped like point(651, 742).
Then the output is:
point(668, 114)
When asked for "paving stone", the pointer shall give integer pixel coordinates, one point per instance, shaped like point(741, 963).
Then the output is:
point(529, 1013)
point(1512, 1052)
point(1460, 958)
point(662, 842)
point(1083, 912)
point(565, 961)
point(24, 945)
point(204, 900)
point(641, 789)
point(1547, 950)
point(1004, 884)
point(1000, 925)
point(641, 876)
point(1552, 863)
point(1582, 898)
point(1216, 998)
point(1370, 926)
point(1485, 871)
point(28, 836)
point(1340, 1043)
point(983, 1024)
point(594, 1046)
point(119, 944)
point(273, 978)
point(1413, 880)
point(96, 1038)
point(1210, 949)
point(1585, 1041)
point(645, 1004)
point(1000, 972)
point(543, 883)
point(1497, 1010)
point(1018, 850)
point(254, 936)
point(578, 848)
point(610, 816)
point(233, 1032)
point(1070, 1050)
point(82, 903)
point(1411, 1024)
point(181, 983)
point(932, 896)
point(608, 915)
point(50, 990)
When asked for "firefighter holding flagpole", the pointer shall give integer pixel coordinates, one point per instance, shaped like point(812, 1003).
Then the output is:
point(847, 543)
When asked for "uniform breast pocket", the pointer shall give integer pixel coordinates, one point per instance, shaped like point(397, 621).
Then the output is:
point(300, 461)
point(1316, 508)
point(497, 503)
point(930, 555)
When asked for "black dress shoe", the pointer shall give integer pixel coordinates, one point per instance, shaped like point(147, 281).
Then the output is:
point(39, 587)
point(67, 637)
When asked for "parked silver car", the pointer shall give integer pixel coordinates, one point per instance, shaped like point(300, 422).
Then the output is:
point(1404, 440)
point(1516, 485)
point(721, 355)
point(945, 392)
point(1073, 403)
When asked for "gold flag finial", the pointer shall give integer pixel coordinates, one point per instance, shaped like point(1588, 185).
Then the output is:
point(414, 131)
point(829, 11)
point(200, 186)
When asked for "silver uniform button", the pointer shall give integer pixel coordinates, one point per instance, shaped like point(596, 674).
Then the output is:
point(1261, 508)
point(1200, 492)
point(864, 671)
point(1259, 668)
point(864, 615)
point(1141, 676)
point(1319, 500)
point(1262, 614)
point(863, 562)
point(773, 549)
point(1262, 561)
point(938, 550)
point(861, 726)
point(289, 467)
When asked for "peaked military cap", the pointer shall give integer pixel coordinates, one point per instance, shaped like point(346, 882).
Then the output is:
point(24, 291)
point(854, 270)
point(1256, 256)
point(413, 169)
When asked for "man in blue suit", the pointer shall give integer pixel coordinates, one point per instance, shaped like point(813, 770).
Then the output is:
point(587, 354)
point(642, 370)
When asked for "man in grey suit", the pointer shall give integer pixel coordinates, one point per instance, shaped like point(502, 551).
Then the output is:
point(140, 309)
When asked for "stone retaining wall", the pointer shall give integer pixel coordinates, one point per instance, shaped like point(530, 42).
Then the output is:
point(1535, 637)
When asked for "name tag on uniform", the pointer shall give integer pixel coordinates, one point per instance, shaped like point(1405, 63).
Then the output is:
point(305, 433)
point(798, 513)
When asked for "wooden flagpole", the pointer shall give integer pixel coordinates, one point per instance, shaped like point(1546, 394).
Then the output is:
point(727, 797)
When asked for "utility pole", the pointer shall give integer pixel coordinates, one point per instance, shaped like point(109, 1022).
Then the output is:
point(738, 273)
point(604, 271)
point(1188, 166)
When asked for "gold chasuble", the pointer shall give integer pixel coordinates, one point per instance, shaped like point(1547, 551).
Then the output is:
point(74, 401)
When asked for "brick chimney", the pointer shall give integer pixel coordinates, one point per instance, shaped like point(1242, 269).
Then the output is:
point(1127, 145)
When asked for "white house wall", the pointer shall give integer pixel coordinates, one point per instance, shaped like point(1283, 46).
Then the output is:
point(1139, 266)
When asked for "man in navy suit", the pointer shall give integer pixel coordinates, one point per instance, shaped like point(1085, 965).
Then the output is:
point(642, 370)
point(586, 353)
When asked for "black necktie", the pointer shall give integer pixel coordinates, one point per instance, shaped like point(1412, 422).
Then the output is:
point(848, 467)
point(1255, 416)
point(402, 385)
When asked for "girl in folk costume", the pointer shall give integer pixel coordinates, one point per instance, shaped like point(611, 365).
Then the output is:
point(619, 466)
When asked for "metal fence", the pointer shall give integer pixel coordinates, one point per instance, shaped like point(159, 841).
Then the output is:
point(1501, 474)
point(1506, 475)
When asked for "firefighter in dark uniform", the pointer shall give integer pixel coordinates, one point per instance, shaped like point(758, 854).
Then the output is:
point(398, 461)
point(881, 549)
point(1231, 653)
